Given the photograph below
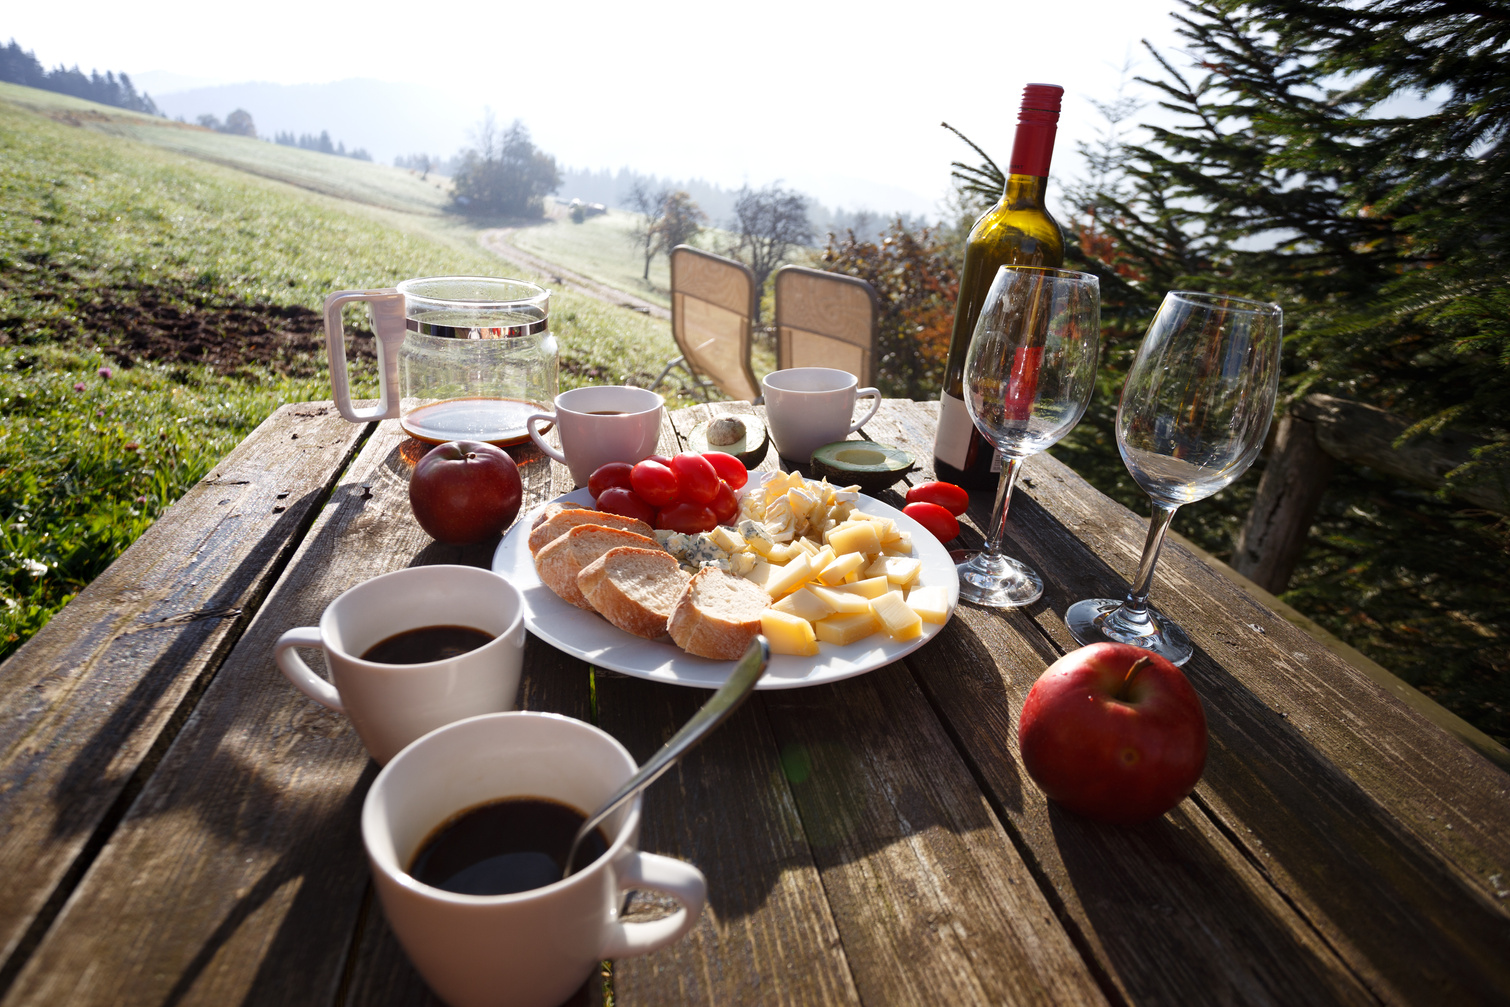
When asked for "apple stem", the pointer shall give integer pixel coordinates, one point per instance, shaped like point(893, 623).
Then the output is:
point(1132, 673)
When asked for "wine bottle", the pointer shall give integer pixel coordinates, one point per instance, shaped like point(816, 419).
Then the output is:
point(1017, 231)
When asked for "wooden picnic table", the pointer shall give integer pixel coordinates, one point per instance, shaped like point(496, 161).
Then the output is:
point(178, 825)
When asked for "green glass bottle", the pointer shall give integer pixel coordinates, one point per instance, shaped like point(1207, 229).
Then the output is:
point(1017, 231)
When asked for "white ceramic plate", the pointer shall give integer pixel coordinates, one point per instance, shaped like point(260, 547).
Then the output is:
point(598, 642)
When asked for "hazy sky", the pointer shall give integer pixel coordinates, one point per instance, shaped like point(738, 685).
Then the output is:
point(841, 100)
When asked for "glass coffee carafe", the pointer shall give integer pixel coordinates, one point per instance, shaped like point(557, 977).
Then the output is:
point(459, 357)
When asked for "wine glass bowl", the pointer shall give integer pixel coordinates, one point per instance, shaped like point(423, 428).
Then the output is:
point(1029, 374)
point(1194, 414)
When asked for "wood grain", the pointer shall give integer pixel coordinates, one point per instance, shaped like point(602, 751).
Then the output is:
point(88, 705)
point(1337, 791)
point(238, 875)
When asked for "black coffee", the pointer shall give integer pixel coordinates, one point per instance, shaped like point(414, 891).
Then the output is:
point(428, 643)
point(607, 412)
point(502, 847)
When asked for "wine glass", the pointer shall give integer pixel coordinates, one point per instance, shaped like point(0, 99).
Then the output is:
point(1194, 414)
point(1029, 374)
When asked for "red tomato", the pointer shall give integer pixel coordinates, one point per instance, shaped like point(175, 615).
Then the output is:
point(618, 500)
point(686, 518)
point(696, 480)
point(660, 458)
point(725, 506)
point(608, 476)
point(654, 482)
point(947, 495)
point(730, 469)
point(935, 518)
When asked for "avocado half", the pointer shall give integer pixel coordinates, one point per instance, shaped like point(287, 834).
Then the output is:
point(744, 437)
point(871, 466)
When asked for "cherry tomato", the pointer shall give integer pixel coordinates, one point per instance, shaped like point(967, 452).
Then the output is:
point(654, 482)
point(618, 500)
point(947, 495)
point(696, 481)
point(725, 506)
point(660, 458)
point(730, 469)
point(935, 518)
point(686, 518)
point(608, 476)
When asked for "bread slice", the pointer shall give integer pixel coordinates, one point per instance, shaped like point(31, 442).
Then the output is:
point(551, 509)
point(563, 521)
point(718, 615)
point(563, 557)
point(635, 589)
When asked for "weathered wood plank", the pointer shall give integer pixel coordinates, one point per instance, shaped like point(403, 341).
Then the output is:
point(237, 876)
point(90, 703)
point(1289, 494)
point(1340, 793)
point(767, 936)
point(1193, 921)
point(932, 900)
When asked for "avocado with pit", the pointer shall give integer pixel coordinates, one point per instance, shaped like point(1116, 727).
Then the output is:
point(871, 466)
point(744, 437)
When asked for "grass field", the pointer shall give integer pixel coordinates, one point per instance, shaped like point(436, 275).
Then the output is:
point(155, 306)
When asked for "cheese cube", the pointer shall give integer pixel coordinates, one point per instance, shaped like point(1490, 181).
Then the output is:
point(872, 587)
point(790, 577)
point(760, 573)
point(836, 571)
point(842, 602)
point(930, 603)
point(856, 536)
point(788, 634)
point(804, 605)
point(842, 629)
point(727, 539)
point(900, 570)
point(899, 621)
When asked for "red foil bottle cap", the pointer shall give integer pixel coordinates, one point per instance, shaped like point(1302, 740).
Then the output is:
point(1037, 122)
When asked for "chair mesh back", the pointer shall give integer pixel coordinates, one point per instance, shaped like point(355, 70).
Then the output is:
point(712, 303)
point(825, 320)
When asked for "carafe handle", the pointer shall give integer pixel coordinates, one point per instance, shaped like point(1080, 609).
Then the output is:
point(387, 308)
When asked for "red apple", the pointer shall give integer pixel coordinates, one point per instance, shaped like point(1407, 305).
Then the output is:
point(1113, 732)
point(465, 491)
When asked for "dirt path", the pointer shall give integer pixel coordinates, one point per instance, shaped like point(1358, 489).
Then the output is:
point(496, 241)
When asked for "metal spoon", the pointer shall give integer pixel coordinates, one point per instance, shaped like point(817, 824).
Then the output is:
point(714, 712)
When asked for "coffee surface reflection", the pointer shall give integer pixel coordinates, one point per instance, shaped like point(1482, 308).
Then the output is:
point(503, 847)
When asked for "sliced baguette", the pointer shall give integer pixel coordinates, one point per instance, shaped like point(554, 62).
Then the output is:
point(551, 509)
point(717, 615)
point(564, 556)
point(561, 522)
point(635, 589)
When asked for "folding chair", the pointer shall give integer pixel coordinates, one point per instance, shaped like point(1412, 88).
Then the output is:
point(712, 304)
point(826, 320)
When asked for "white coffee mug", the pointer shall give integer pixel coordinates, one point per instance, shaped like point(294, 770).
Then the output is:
point(601, 424)
point(533, 948)
point(390, 705)
point(808, 407)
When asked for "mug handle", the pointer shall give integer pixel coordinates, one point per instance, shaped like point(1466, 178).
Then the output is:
point(529, 424)
point(875, 406)
point(387, 308)
point(681, 881)
point(299, 673)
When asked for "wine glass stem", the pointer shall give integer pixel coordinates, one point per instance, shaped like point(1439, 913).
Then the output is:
point(1009, 469)
point(1136, 604)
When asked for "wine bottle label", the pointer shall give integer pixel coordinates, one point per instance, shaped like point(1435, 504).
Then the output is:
point(951, 445)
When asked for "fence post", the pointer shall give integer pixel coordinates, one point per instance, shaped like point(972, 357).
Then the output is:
point(1289, 494)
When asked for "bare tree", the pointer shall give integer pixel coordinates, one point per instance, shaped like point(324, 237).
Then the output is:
point(767, 224)
point(651, 206)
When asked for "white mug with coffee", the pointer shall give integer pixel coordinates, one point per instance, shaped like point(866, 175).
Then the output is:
point(411, 651)
point(600, 424)
point(808, 407)
point(529, 948)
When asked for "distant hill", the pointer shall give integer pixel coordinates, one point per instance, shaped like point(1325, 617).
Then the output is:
point(385, 119)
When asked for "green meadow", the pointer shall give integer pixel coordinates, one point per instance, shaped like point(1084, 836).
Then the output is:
point(140, 261)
